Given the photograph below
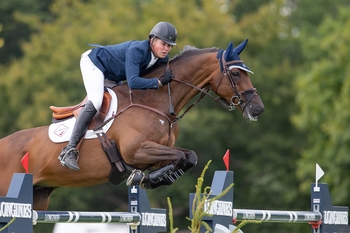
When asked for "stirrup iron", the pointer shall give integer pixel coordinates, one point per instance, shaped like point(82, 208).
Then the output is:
point(62, 158)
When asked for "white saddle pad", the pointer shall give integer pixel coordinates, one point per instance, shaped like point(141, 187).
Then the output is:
point(61, 131)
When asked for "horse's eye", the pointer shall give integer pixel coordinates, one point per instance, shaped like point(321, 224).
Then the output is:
point(235, 73)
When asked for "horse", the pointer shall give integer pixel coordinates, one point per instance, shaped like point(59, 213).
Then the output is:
point(144, 127)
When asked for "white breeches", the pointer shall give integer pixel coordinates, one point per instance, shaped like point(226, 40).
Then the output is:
point(93, 80)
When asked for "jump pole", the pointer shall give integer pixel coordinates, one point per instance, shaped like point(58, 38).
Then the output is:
point(323, 217)
point(17, 215)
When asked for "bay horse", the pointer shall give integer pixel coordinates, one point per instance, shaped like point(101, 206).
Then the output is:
point(144, 127)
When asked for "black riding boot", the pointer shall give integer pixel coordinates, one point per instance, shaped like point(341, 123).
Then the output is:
point(70, 155)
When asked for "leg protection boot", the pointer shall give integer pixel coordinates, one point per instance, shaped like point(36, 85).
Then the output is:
point(69, 155)
point(160, 174)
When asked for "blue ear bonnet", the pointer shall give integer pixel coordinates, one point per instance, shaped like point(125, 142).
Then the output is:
point(232, 54)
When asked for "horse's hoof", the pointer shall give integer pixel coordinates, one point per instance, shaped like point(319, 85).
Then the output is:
point(136, 177)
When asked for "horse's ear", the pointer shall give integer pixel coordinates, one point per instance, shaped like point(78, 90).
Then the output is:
point(229, 46)
point(228, 51)
point(240, 47)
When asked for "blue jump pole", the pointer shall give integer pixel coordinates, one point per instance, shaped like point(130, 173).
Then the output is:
point(277, 216)
point(85, 217)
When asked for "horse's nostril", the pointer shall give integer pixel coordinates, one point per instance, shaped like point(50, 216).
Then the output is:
point(258, 110)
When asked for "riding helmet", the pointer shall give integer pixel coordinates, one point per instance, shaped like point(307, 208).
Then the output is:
point(164, 31)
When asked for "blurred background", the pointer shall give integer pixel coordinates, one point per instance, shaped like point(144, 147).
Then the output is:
point(298, 49)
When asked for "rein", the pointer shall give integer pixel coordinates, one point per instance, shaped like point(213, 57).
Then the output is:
point(204, 92)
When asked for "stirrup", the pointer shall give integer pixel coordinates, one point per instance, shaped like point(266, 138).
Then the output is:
point(62, 157)
point(136, 177)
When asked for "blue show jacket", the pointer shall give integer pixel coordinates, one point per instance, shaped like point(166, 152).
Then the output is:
point(126, 61)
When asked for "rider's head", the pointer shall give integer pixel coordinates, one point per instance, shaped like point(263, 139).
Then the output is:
point(162, 38)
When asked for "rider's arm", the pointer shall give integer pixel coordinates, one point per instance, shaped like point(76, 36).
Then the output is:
point(133, 60)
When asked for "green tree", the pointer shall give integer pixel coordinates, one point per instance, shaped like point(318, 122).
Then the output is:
point(16, 31)
point(48, 73)
point(323, 97)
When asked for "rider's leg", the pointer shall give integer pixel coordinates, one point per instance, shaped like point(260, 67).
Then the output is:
point(69, 154)
point(94, 84)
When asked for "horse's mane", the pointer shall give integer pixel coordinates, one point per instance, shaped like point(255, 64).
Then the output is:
point(187, 51)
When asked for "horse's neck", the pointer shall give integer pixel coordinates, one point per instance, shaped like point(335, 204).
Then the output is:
point(197, 72)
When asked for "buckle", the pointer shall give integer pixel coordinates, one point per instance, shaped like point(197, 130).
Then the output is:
point(136, 177)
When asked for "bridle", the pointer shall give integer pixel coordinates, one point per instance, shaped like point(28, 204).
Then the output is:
point(235, 100)
point(225, 69)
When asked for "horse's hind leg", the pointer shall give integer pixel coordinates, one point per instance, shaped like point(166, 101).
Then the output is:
point(171, 177)
point(41, 197)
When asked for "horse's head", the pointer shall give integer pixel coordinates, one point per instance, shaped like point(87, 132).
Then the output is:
point(233, 85)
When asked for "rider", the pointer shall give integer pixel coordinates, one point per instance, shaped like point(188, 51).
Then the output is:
point(124, 61)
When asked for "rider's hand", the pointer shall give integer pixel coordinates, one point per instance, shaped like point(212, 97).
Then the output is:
point(166, 77)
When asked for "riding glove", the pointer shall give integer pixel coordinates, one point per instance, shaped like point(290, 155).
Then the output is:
point(166, 77)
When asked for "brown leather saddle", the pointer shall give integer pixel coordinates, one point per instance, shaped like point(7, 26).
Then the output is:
point(60, 113)
point(119, 170)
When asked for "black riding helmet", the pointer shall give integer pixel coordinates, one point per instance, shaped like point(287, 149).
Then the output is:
point(164, 31)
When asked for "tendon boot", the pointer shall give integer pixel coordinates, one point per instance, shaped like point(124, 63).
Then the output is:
point(158, 175)
point(70, 155)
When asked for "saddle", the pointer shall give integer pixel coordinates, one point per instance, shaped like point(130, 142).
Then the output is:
point(119, 171)
point(60, 113)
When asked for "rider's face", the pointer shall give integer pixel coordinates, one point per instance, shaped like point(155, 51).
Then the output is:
point(159, 48)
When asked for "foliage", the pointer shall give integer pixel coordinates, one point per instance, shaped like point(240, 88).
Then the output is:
point(15, 31)
point(201, 204)
point(324, 87)
point(171, 218)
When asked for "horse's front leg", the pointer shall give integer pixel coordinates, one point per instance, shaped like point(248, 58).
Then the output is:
point(178, 161)
point(151, 154)
point(180, 169)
